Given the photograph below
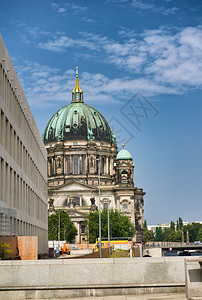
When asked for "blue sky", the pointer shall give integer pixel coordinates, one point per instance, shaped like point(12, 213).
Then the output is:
point(140, 65)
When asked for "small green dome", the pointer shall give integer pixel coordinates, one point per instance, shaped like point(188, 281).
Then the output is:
point(124, 154)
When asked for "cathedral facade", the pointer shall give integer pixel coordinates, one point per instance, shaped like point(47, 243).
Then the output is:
point(81, 151)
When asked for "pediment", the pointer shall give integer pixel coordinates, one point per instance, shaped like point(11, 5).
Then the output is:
point(75, 186)
point(124, 165)
point(76, 214)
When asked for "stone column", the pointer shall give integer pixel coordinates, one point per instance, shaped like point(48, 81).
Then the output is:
point(141, 214)
point(86, 170)
point(79, 231)
point(65, 164)
point(80, 164)
point(132, 175)
point(49, 167)
point(78, 237)
point(132, 210)
point(111, 165)
point(70, 162)
point(53, 165)
point(107, 165)
point(118, 202)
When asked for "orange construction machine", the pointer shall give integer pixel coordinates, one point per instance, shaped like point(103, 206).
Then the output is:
point(65, 249)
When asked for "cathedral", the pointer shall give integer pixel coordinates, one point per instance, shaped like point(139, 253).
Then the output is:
point(82, 152)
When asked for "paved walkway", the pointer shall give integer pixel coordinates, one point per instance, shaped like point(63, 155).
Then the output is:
point(176, 296)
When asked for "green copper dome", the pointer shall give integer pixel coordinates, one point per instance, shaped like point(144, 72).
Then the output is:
point(78, 121)
point(124, 154)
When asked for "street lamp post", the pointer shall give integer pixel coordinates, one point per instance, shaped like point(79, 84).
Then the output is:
point(58, 228)
point(64, 230)
point(99, 209)
point(108, 228)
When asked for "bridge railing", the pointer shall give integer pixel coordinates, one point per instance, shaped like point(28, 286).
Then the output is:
point(169, 244)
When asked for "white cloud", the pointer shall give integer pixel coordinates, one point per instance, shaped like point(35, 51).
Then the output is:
point(141, 6)
point(75, 9)
point(169, 58)
point(30, 34)
point(170, 11)
point(88, 20)
point(61, 10)
point(45, 86)
point(59, 43)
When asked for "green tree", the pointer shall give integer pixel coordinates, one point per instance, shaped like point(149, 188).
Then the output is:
point(145, 224)
point(166, 233)
point(177, 225)
point(178, 236)
point(67, 229)
point(172, 225)
point(193, 230)
point(199, 236)
point(180, 222)
point(149, 236)
point(120, 225)
point(92, 226)
point(159, 234)
point(5, 251)
point(172, 236)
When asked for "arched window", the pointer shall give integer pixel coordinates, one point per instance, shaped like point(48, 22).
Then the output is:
point(124, 177)
point(125, 206)
point(76, 201)
point(105, 203)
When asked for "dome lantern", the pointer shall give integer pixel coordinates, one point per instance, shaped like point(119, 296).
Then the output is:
point(77, 93)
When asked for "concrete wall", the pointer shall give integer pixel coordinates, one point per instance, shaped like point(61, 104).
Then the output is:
point(193, 278)
point(23, 172)
point(153, 252)
point(91, 277)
